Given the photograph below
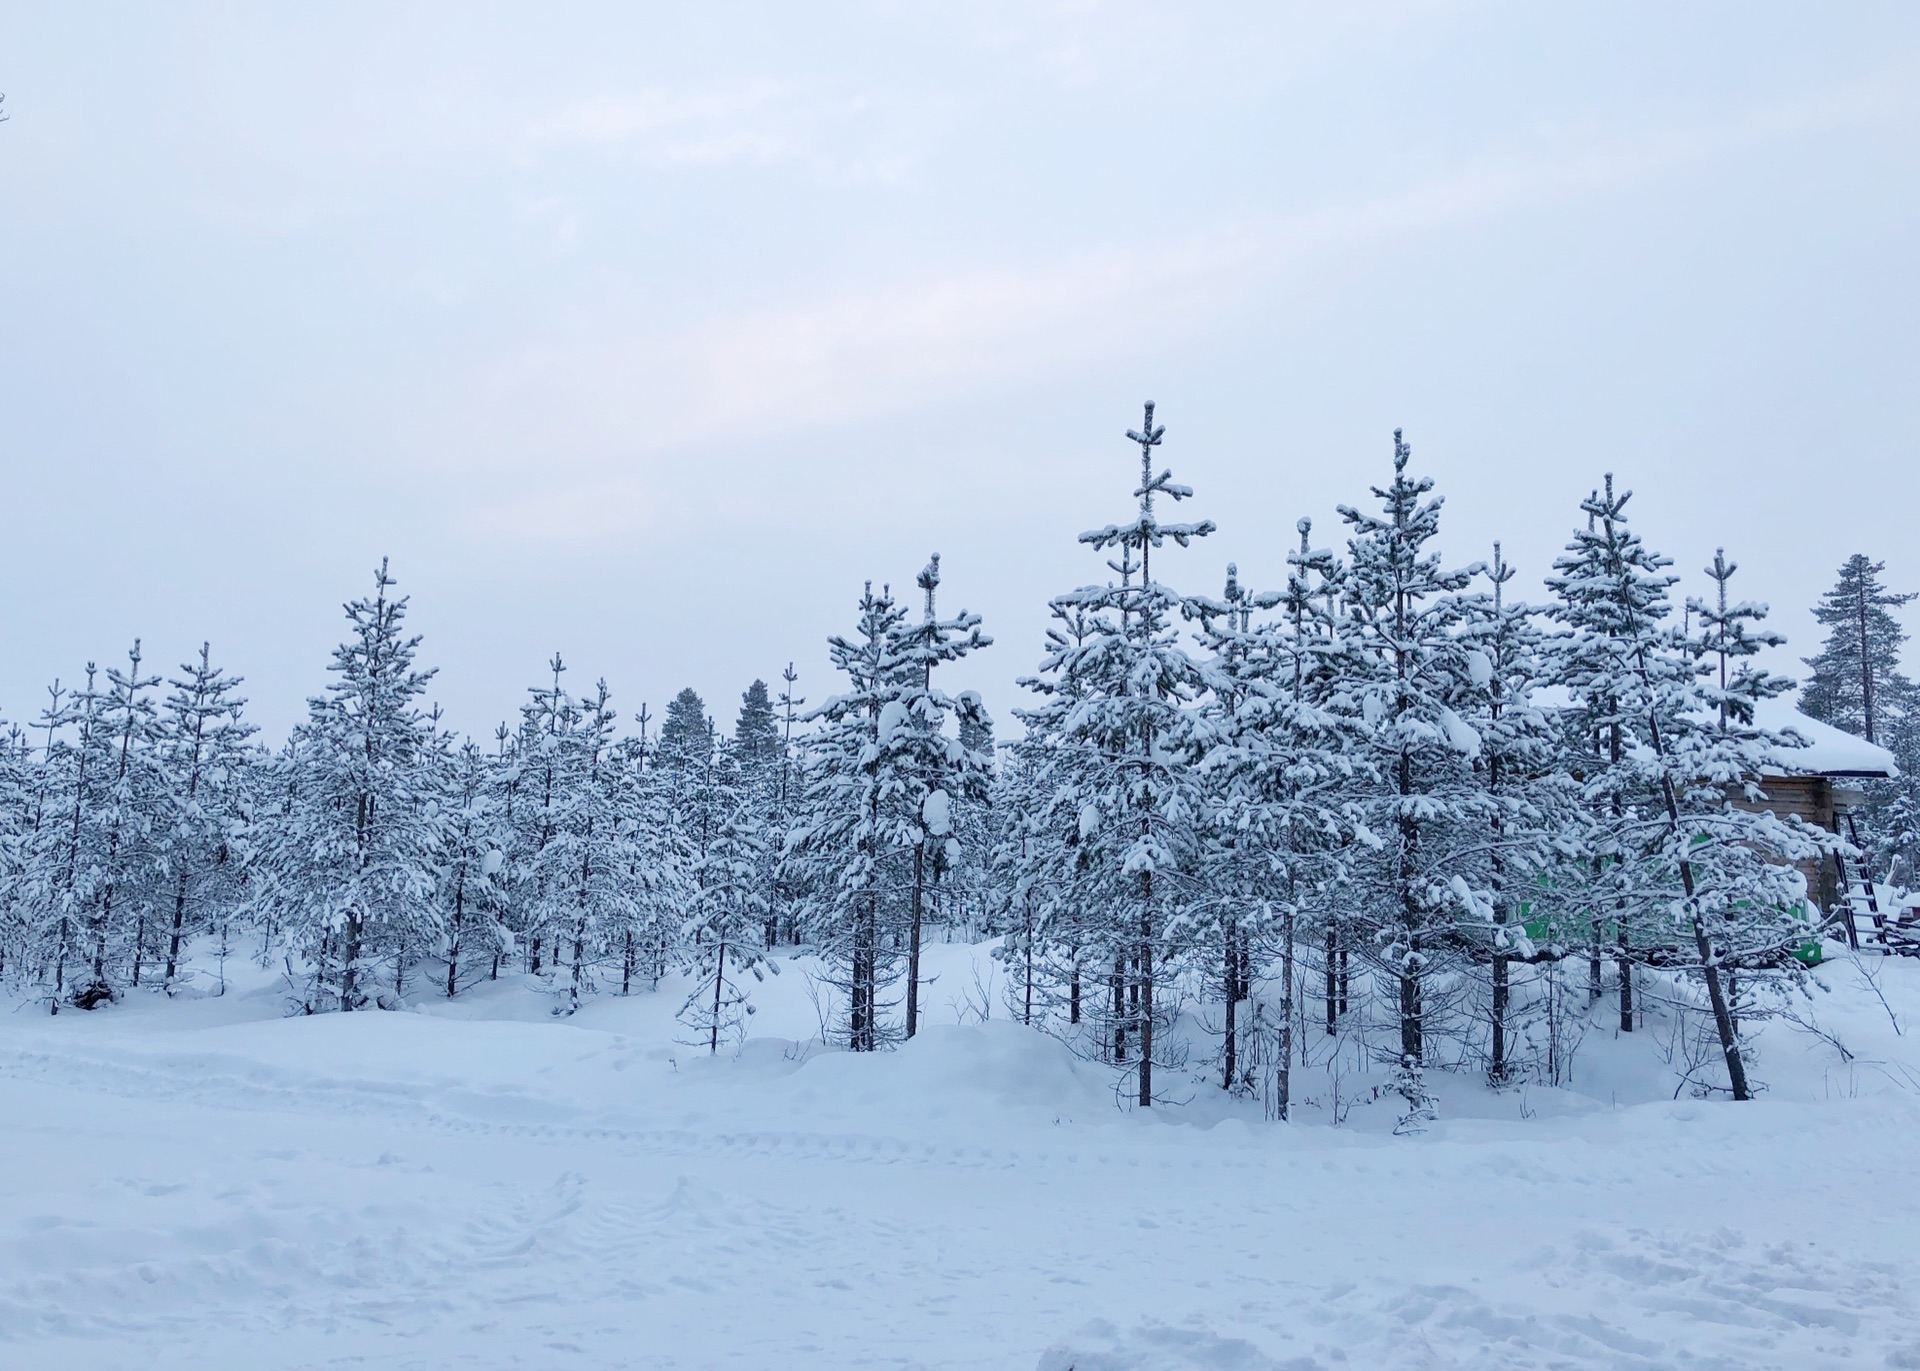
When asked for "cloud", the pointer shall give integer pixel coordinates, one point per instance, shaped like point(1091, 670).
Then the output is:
point(836, 138)
point(615, 397)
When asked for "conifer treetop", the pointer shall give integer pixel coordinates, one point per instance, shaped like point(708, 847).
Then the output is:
point(1146, 530)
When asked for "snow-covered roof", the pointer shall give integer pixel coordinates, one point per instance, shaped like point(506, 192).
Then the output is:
point(1829, 751)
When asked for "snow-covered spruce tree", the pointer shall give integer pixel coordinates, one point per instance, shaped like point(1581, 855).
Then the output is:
point(1412, 676)
point(1137, 739)
point(201, 831)
point(471, 894)
point(837, 849)
point(940, 772)
point(1706, 887)
point(1857, 685)
point(722, 938)
point(355, 859)
point(1276, 772)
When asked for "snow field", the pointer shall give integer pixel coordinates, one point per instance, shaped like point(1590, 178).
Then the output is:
point(205, 1183)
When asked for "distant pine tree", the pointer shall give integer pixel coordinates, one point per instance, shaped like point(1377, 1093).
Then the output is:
point(1857, 685)
point(1856, 682)
point(756, 734)
point(687, 733)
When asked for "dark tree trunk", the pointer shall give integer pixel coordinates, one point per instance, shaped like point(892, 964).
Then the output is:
point(1232, 1065)
point(1146, 1000)
point(1497, 1066)
point(1333, 980)
point(913, 940)
point(179, 925)
point(1625, 962)
point(1283, 1080)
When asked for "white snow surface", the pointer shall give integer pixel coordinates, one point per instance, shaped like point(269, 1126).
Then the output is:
point(206, 1183)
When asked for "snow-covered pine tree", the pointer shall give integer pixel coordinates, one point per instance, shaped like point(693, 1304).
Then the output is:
point(721, 940)
point(1685, 871)
point(1136, 739)
point(65, 868)
point(356, 857)
point(121, 843)
point(1729, 640)
point(53, 885)
point(1611, 594)
point(853, 798)
point(590, 869)
point(19, 787)
point(201, 831)
point(756, 754)
point(1308, 651)
point(834, 848)
point(1236, 913)
point(782, 894)
point(1009, 872)
point(1411, 675)
point(530, 783)
point(1533, 815)
point(661, 863)
point(471, 890)
point(940, 773)
point(1037, 857)
point(1277, 771)
point(971, 897)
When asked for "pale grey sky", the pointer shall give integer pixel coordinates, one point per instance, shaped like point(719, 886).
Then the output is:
point(647, 332)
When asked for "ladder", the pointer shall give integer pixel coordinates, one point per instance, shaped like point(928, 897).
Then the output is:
point(1857, 896)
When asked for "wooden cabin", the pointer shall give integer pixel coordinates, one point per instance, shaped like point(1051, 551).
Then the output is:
point(1822, 783)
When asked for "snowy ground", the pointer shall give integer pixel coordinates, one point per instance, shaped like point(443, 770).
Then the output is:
point(208, 1184)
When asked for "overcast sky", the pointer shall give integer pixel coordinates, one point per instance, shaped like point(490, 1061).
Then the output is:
point(647, 333)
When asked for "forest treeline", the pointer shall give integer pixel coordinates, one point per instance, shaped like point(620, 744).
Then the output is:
point(1388, 801)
